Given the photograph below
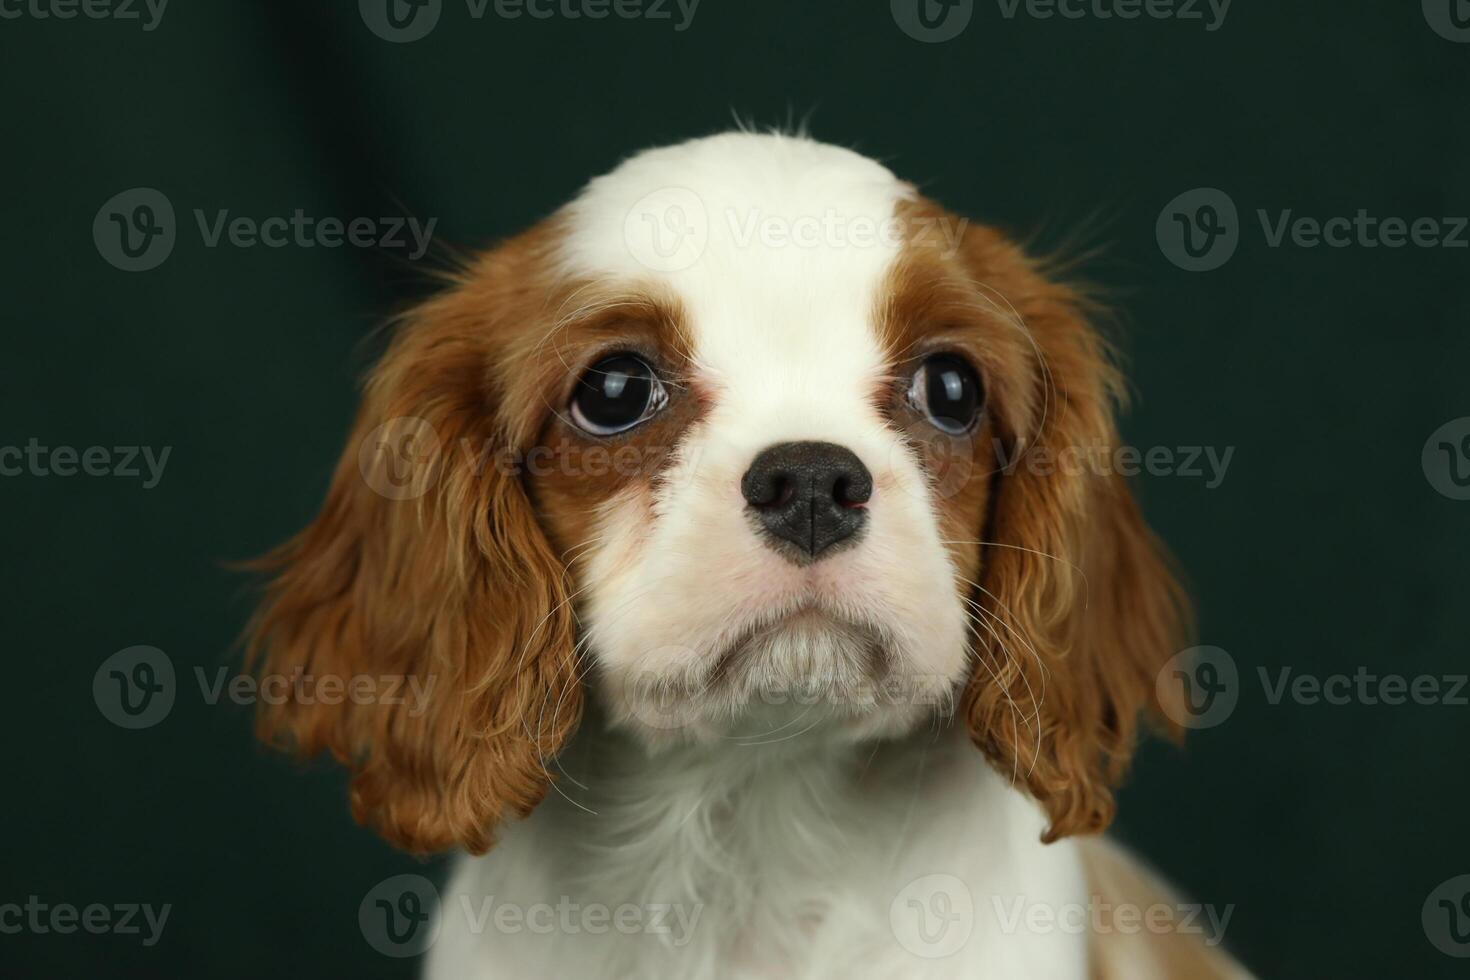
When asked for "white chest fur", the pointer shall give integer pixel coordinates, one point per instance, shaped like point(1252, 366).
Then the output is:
point(795, 858)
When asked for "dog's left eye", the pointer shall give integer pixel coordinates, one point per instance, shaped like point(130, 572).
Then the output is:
point(948, 392)
point(616, 394)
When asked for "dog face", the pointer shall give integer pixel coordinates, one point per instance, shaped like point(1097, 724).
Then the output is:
point(744, 441)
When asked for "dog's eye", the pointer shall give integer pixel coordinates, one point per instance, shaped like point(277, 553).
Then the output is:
point(948, 392)
point(616, 394)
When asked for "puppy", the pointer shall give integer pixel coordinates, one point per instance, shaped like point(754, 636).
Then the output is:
point(739, 518)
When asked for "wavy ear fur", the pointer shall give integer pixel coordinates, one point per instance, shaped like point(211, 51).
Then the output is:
point(426, 563)
point(1090, 607)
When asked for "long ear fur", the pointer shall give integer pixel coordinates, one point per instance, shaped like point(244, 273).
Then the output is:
point(1086, 610)
point(427, 564)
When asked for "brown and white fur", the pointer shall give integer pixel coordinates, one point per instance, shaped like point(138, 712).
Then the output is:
point(637, 700)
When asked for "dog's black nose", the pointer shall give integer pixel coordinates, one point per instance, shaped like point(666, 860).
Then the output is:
point(807, 495)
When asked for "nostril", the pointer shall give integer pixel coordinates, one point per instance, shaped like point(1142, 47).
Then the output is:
point(785, 490)
point(779, 491)
point(852, 492)
point(767, 488)
point(840, 492)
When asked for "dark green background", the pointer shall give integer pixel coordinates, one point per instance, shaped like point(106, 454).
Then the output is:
point(1325, 548)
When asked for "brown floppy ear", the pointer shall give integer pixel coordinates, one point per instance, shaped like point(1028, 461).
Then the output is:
point(1074, 583)
point(426, 571)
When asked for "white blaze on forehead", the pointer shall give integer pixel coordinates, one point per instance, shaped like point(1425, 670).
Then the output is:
point(778, 248)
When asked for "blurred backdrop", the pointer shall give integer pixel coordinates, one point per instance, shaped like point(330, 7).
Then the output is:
point(174, 395)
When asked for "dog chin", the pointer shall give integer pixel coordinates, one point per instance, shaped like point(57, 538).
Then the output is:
point(808, 673)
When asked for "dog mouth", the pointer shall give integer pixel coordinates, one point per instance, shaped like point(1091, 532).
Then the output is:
point(808, 648)
point(786, 673)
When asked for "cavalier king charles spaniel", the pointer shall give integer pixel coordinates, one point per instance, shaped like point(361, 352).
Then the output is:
point(726, 517)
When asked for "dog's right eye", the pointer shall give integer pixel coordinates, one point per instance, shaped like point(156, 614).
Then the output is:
point(615, 394)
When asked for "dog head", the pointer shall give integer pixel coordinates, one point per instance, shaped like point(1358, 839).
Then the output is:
point(750, 437)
